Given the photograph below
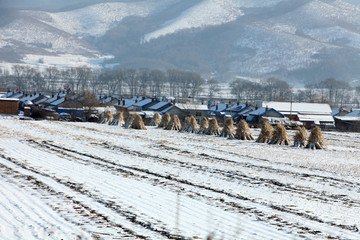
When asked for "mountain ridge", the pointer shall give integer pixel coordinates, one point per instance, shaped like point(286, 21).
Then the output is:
point(297, 41)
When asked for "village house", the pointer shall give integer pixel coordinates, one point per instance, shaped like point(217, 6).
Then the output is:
point(268, 114)
point(308, 114)
point(348, 122)
point(9, 106)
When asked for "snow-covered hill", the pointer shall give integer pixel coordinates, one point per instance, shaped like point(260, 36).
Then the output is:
point(292, 39)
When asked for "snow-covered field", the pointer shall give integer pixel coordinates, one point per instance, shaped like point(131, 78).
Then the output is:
point(90, 181)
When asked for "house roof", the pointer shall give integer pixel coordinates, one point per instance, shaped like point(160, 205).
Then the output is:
point(245, 110)
point(159, 105)
point(315, 118)
point(57, 102)
point(30, 97)
point(41, 99)
point(166, 110)
point(18, 95)
point(355, 113)
point(261, 111)
point(10, 99)
point(236, 107)
point(128, 102)
point(304, 108)
point(348, 118)
point(221, 107)
point(143, 103)
point(8, 94)
point(189, 106)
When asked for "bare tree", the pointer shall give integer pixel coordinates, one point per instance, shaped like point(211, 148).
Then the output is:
point(52, 76)
point(157, 79)
point(144, 81)
point(213, 87)
point(132, 80)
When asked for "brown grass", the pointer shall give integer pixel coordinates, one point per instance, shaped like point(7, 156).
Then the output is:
point(300, 137)
point(266, 133)
point(228, 129)
point(280, 136)
point(316, 139)
point(243, 131)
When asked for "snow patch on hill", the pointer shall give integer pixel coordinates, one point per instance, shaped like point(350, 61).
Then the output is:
point(29, 32)
point(270, 52)
point(97, 19)
point(207, 13)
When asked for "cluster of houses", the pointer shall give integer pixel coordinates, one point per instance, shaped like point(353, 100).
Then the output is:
point(290, 114)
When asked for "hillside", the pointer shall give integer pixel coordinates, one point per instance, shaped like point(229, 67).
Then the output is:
point(294, 40)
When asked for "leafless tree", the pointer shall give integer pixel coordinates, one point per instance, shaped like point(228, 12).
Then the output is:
point(52, 76)
point(213, 87)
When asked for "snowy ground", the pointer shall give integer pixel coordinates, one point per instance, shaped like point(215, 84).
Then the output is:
point(89, 181)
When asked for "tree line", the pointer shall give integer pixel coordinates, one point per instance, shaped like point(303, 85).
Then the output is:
point(173, 82)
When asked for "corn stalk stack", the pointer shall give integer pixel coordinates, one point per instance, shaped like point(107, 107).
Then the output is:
point(280, 136)
point(213, 128)
point(300, 137)
point(165, 120)
point(174, 124)
point(243, 131)
point(204, 124)
point(156, 120)
point(266, 133)
point(228, 129)
point(316, 139)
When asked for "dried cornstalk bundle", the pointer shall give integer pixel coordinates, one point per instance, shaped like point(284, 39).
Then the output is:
point(118, 119)
point(213, 128)
point(228, 129)
point(316, 139)
point(300, 137)
point(186, 124)
point(155, 121)
point(165, 120)
point(266, 133)
point(280, 136)
point(108, 117)
point(174, 124)
point(204, 124)
point(138, 123)
point(129, 121)
point(194, 126)
point(243, 131)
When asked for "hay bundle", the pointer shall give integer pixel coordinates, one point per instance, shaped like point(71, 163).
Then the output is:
point(129, 121)
point(165, 120)
point(155, 121)
point(118, 120)
point(300, 137)
point(106, 118)
point(138, 122)
point(266, 133)
point(174, 124)
point(228, 129)
point(204, 124)
point(280, 136)
point(243, 131)
point(194, 126)
point(316, 140)
point(213, 128)
point(186, 124)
